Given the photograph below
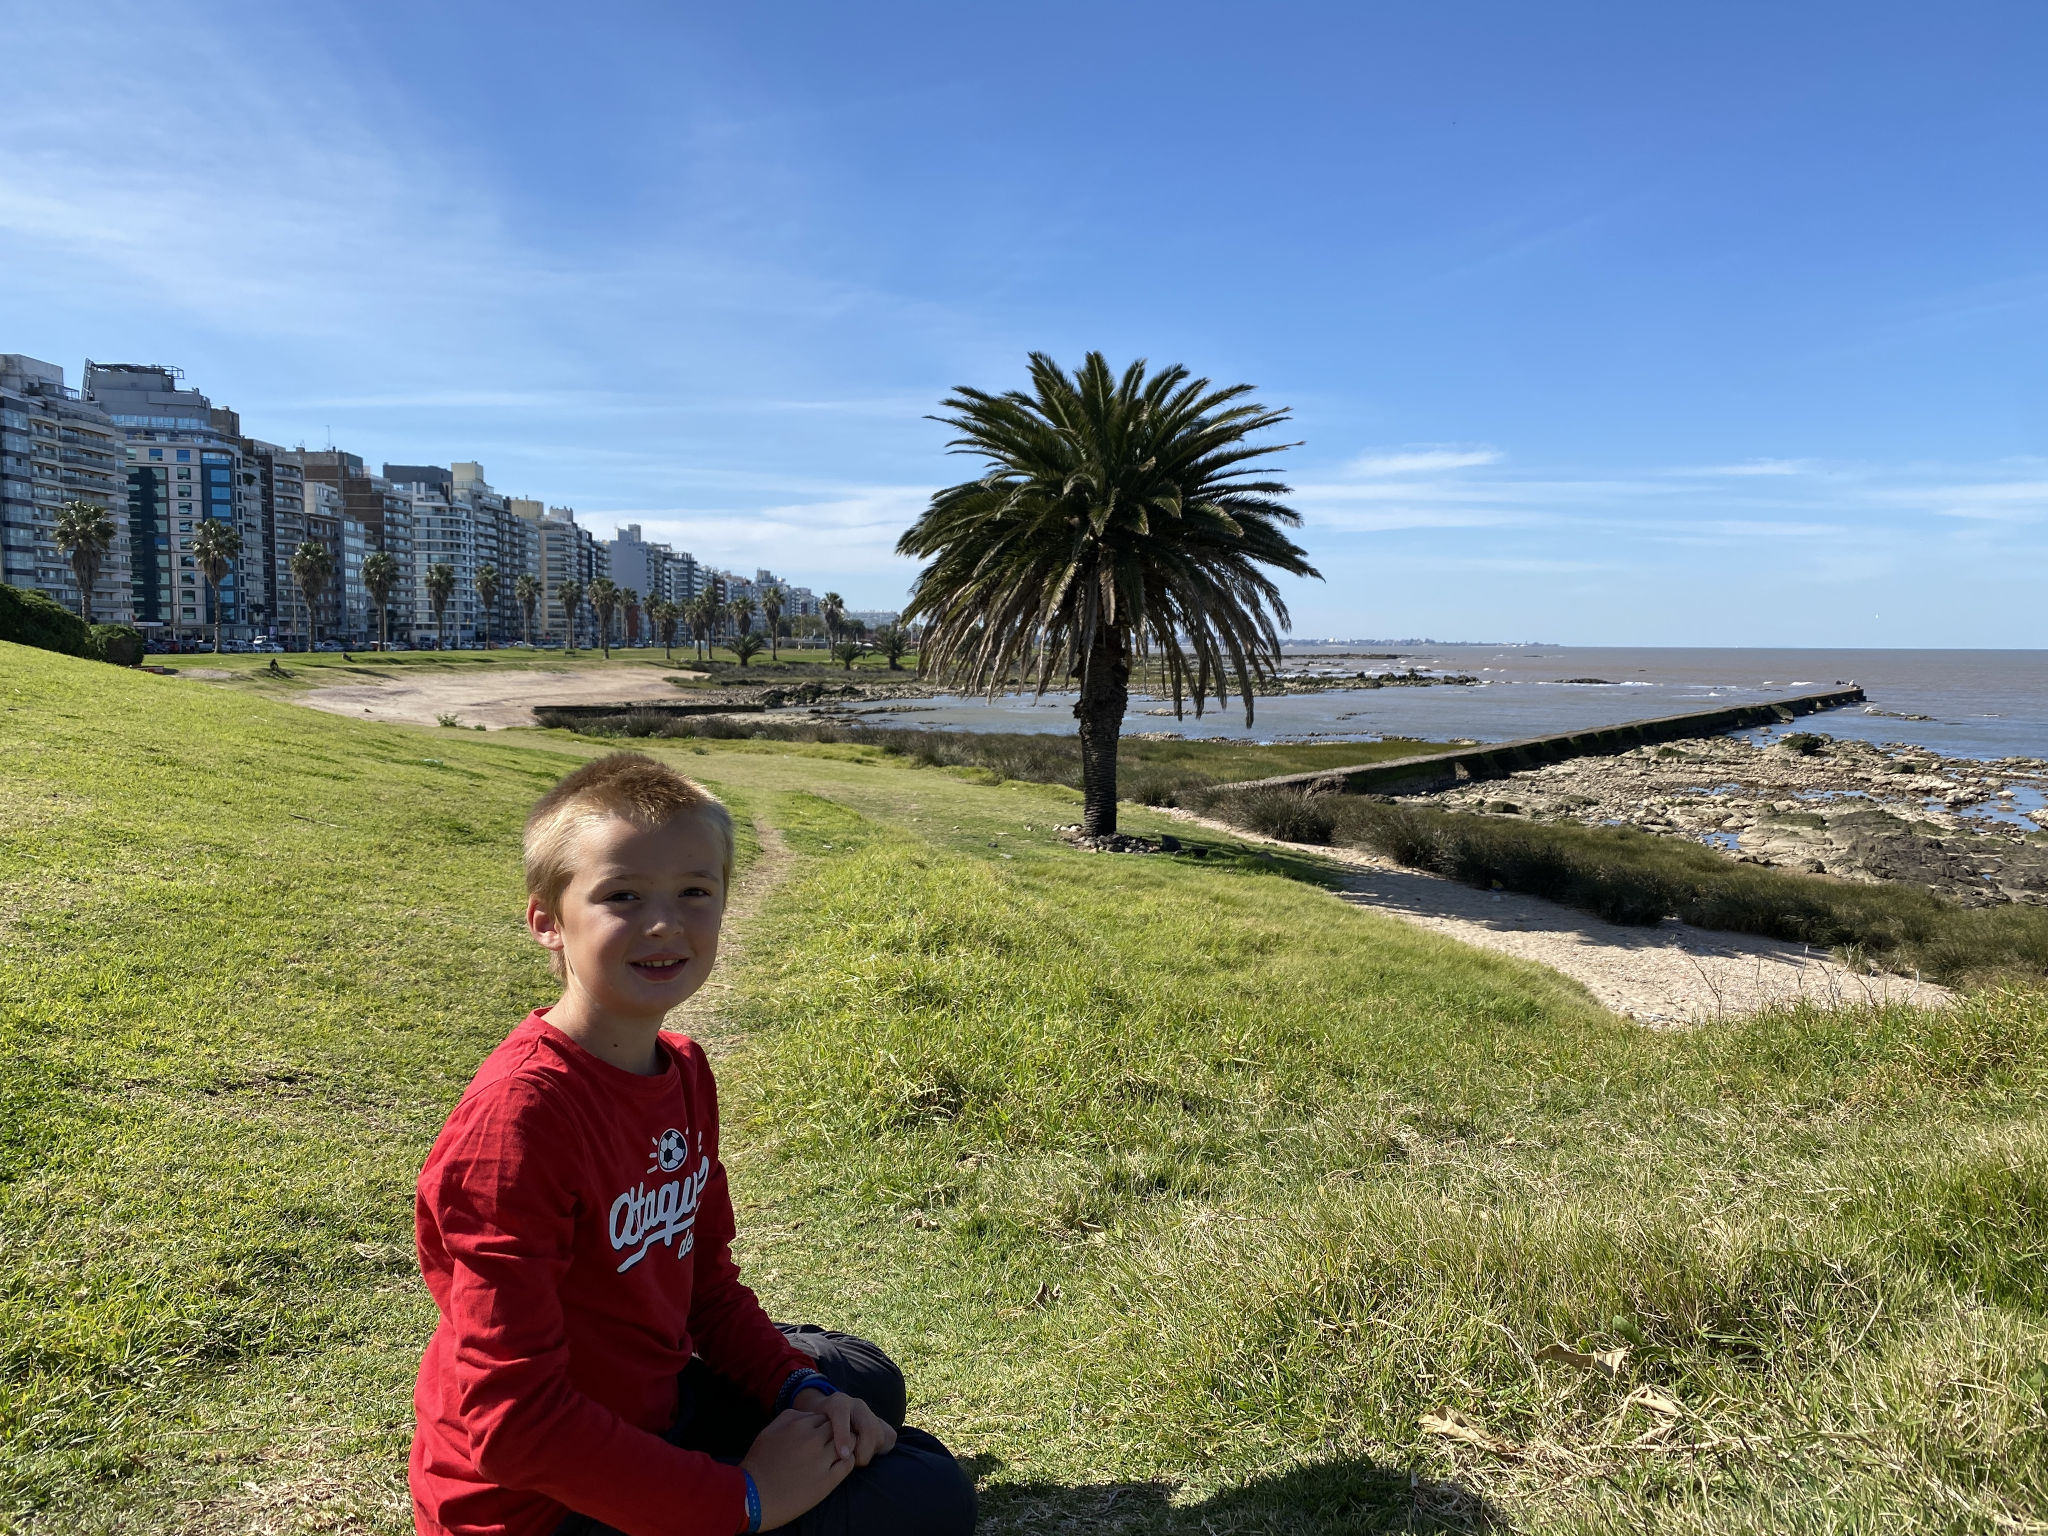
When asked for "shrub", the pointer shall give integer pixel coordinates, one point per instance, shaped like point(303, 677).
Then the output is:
point(120, 644)
point(1288, 814)
point(1638, 878)
point(30, 618)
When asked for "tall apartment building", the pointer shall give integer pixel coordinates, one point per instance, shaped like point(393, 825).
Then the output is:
point(342, 608)
point(797, 602)
point(459, 520)
point(499, 540)
point(441, 535)
point(54, 448)
point(560, 550)
point(281, 512)
point(185, 467)
point(655, 571)
point(385, 511)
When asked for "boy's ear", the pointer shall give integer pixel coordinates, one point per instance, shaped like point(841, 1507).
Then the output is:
point(544, 927)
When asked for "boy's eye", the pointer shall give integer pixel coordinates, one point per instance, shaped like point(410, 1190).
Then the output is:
point(620, 896)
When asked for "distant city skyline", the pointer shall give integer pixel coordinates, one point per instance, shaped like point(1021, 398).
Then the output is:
point(1622, 328)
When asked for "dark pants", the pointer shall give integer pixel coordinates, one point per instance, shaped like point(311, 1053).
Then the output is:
point(917, 1489)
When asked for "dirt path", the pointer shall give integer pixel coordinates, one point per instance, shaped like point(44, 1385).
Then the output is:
point(1670, 974)
point(702, 1018)
point(487, 697)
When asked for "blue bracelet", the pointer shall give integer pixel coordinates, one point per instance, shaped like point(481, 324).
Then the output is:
point(803, 1381)
point(753, 1502)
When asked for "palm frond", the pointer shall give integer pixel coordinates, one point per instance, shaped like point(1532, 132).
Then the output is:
point(1125, 511)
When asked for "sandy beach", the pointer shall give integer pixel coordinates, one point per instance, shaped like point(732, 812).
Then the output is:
point(487, 697)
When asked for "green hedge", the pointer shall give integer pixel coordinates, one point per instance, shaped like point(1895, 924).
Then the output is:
point(30, 618)
point(119, 643)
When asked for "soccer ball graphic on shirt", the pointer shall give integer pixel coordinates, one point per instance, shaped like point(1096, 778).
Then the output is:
point(671, 1147)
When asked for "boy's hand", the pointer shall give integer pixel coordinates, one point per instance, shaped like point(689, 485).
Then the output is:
point(856, 1430)
point(794, 1463)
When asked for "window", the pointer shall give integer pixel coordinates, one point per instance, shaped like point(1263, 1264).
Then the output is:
point(184, 527)
point(156, 453)
point(184, 474)
point(184, 455)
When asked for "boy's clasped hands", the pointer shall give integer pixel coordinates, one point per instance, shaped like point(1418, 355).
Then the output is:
point(809, 1448)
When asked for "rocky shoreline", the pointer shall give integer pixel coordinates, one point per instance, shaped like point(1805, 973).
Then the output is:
point(1974, 832)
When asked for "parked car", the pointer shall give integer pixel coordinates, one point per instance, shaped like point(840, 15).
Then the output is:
point(266, 648)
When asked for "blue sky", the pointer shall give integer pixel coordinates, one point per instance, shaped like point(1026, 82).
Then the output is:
point(1600, 324)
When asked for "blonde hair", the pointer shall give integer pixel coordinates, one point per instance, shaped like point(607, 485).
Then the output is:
point(628, 785)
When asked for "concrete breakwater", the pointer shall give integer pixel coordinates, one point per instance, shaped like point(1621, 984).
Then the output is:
point(1446, 770)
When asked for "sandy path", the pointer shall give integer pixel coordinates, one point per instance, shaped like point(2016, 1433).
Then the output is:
point(1670, 974)
point(488, 697)
point(702, 1017)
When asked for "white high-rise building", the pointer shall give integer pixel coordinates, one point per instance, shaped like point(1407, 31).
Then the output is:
point(186, 466)
point(56, 448)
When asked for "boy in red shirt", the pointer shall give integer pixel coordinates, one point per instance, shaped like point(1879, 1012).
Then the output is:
point(598, 1365)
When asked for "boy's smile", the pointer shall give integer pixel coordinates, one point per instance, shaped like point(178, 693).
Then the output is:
point(637, 929)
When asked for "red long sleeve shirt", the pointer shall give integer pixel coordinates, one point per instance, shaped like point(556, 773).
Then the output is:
point(575, 1230)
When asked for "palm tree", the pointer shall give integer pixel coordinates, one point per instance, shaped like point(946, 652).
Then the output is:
point(570, 595)
point(703, 615)
point(487, 593)
point(215, 547)
point(847, 652)
point(1116, 519)
point(310, 566)
point(834, 610)
point(742, 611)
point(665, 616)
point(893, 643)
point(526, 593)
point(630, 601)
point(85, 533)
point(380, 577)
point(604, 602)
point(440, 583)
point(746, 645)
point(772, 599)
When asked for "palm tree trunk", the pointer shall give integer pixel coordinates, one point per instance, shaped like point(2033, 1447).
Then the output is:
point(1105, 691)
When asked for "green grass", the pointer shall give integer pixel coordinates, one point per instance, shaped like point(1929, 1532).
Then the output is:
point(1629, 876)
point(1150, 771)
point(320, 669)
point(1184, 1192)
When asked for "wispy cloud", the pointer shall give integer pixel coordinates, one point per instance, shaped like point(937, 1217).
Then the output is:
point(853, 530)
point(1420, 460)
point(1752, 468)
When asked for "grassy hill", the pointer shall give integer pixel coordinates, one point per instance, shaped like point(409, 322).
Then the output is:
point(1192, 1200)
